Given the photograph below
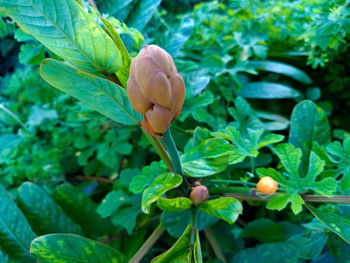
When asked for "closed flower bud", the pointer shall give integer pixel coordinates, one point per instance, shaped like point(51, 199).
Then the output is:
point(199, 194)
point(267, 185)
point(155, 89)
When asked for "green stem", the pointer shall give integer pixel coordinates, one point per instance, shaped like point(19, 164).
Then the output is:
point(233, 182)
point(172, 150)
point(158, 146)
point(147, 245)
point(193, 226)
point(214, 244)
point(14, 116)
point(245, 194)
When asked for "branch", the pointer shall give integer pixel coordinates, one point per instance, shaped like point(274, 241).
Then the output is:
point(148, 244)
point(214, 244)
point(94, 178)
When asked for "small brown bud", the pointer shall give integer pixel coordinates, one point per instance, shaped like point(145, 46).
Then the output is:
point(199, 194)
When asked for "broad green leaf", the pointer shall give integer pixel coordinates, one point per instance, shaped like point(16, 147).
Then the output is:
point(15, 231)
point(179, 252)
point(122, 208)
point(271, 252)
point(264, 230)
point(268, 90)
point(66, 248)
point(176, 222)
point(81, 209)
point(175, 204)
point(333, 220)
point(123, 72)
point(309, 247)
point(208, 158)
point(65, 28)
point(43, 213)
point(142, 13)
point(225, 208)
point(38, 115)
point(8, 141)
point(100, 94)
point(178, 37)
point(159, 186)
point(281, 68)
point(340, 156)
point(308, 124)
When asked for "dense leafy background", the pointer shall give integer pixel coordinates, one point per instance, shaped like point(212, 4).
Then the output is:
point(258, 74)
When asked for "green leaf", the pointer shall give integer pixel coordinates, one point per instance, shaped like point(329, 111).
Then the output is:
point(293, 181)
point(248, 145)
point(175, 204)
point(197, 251)
point(340, 156)
point(272, 253)
point(100, 94)
point(143, 12)
point(282, 68)
point(333, 220)
point(264, 230)
point(179, 252)
point(148, 174)
point(268, 90)
point(43, 213)
point(65, 28)
point(123, 72)
point(225, 208)
point(122, 208)
point(38, 115)
point(208, 158)
point(15, 231)
point(65, 248)
point(159, 186)
point(81, 209)
point(309, 124)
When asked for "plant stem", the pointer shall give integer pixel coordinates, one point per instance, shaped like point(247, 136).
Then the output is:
point(172, 150)
point(246, 194)
point(214, 244)
point(193, 226)
point(233, 182)
point(14, 116)
point(158, 146)
point(148, 244)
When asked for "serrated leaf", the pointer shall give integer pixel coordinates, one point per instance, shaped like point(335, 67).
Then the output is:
point(209, 157)
point(309, 124)
point(15, 231)
point(340, 156)
point(282, 68)
point(43, 213)
point(65, 28)
point(100, 94)
point(81, 209)
point(268, 90)
point(174, 204)
point(225, 208)
point(66, 248)
point(179, 252)
point(159, 186)
point(293, 181)
point(336, 222)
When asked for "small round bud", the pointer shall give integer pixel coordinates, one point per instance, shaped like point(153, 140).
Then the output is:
point(267, 185)
point(199, 194)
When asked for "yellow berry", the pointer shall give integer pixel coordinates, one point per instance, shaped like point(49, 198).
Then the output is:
point(267, 185)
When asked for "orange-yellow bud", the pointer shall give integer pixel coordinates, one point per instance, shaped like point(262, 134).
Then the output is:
point(267, 185)
point(199, 194)
point(155, 89)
